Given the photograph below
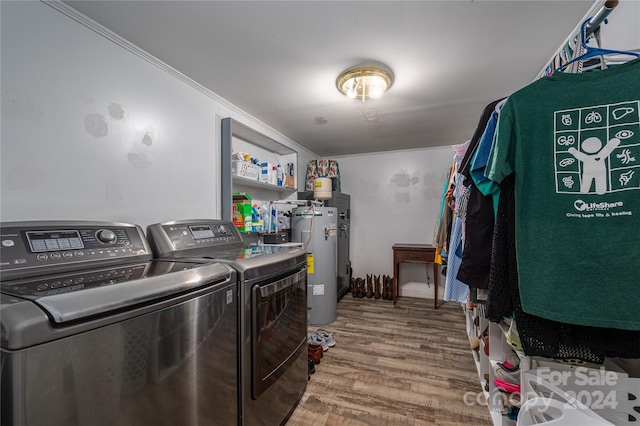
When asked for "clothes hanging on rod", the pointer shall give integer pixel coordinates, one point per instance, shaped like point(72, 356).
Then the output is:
point(567, 51)
point(476, 256)
point(570, 139)
point(475, 139)
point(540, 336)
point(443, 227)
point(474, 264)
point(579, 334)
point(587, 51)
point(456, 290)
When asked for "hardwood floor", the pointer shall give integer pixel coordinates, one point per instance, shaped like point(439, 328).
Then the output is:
point(394, 365)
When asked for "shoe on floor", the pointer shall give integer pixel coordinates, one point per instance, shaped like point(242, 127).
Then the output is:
point(513, 338)
point(328, 337)
point(475, 343)
point(510, 399)
point(316, 348)
point(506, 386)
point(314, 354)
point(315, 339)
point(511, 363)
point(508, 376)
point(312, 367)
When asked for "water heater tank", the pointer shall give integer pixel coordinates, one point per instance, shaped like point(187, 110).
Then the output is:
point(317, 229)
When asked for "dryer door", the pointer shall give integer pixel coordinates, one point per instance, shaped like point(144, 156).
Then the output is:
point(279, 327)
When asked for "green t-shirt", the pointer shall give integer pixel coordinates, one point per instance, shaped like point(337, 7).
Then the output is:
point(573, 141)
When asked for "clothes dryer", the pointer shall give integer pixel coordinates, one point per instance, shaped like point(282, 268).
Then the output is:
point(273, 321)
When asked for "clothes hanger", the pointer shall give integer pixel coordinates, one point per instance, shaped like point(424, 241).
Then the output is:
point(590, 52)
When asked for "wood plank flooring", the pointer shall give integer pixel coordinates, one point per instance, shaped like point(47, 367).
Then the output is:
point(394, 365)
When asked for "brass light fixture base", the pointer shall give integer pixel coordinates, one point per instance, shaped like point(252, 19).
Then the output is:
point(364, 82)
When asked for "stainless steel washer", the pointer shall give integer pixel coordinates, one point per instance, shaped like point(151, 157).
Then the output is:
point(94, 332)
point(273, 312)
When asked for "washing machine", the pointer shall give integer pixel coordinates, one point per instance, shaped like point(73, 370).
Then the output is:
point(95, 332)
point(272, 283)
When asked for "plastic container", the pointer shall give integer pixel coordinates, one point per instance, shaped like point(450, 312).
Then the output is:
point(246, 169)
point(322, 188)
point(280, 175)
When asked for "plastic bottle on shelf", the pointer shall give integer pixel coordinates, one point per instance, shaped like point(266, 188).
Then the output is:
point(258, 224)
point(263, 212)
point(280, 175)
point(273, 220)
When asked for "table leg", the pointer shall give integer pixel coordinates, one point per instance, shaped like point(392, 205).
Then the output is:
point(394, 290)
point(435, 283)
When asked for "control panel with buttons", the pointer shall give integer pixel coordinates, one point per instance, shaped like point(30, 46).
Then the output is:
point(170, 238)
point(26, 248)
point(57, 284)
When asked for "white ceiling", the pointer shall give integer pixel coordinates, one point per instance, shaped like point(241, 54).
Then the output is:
point(278, 60)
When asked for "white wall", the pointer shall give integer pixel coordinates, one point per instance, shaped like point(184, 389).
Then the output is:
point(622, 32)
point(95, 129)
point(395, 198)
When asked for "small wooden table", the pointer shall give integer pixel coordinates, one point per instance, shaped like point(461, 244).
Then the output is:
point(414, 253)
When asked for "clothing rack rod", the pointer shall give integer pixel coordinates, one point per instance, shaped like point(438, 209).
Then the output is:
point(600, 16)
point(596, 15)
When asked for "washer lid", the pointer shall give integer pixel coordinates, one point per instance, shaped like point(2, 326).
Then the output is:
point(29, 319)
point(76, 306)
point(98, 292)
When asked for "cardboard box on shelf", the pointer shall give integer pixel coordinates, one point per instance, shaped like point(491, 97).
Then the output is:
point(289, 180)
point(241, 214)
point(266, 175)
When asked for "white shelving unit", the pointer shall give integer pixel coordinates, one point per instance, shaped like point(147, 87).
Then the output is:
point(626, 391)
point(486, 364)
point(240, 180)
point(234, 132)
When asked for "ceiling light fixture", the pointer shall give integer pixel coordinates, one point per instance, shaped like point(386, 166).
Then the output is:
point(364, 82)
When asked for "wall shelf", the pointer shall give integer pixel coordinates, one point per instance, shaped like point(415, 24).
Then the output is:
point(234, 130)
point(239, 180)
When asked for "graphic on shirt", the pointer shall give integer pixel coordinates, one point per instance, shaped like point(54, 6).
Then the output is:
point(597, 149)
point(625, 157)
point(594, 163)
point(619, 113)
point(626, 177)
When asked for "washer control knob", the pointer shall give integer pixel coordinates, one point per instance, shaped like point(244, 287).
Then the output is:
point(222, 229)
point(106, 236)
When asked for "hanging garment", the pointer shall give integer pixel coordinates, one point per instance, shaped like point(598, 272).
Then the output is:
point(476, 256)
point(540, 336)
point(443, 228)
point(323, 168)
point(475, 139)
point(454, 289)
point(503, 272)
point(573, 141)
point(477, 168)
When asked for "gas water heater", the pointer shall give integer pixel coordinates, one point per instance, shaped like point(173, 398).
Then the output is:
point(317, 229)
